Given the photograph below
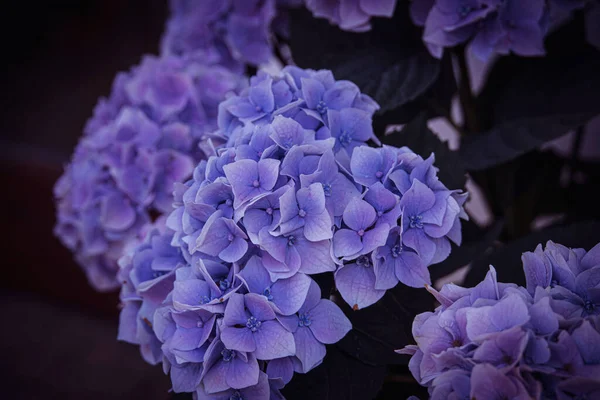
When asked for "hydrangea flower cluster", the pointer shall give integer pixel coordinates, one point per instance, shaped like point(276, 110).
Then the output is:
point(492, 26)
point(291, 191)
point(351, 15)
point(141, 140)
point(238, 31)
point(146, 275)
point(294, 177)
point(499, 340)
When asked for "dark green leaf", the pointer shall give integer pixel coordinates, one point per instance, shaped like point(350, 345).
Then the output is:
point(507, 259)
point(437, 101)
point(530, 101)
point(339, 377)
point(389, 63)
point(420, 139)
point(385, 326)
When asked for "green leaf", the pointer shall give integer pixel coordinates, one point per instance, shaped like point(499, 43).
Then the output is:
point(339, 377)
point(385, 326)
point(530, 101)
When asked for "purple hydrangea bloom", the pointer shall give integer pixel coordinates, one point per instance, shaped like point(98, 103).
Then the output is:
point(285, 295)
point(491, 26)
point(571, 276)
point(351, 15)
point(228, 369)
point(236, 31)
point(250, 325)
point(318, 322)
point(427, 217)
point(281, 198)
point(147, 276)
point(362, 234)
point(140, 142)
point(501, 341)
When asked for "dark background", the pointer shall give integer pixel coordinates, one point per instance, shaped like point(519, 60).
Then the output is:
point(58, 337)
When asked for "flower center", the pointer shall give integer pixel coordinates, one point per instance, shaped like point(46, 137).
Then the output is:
point(321, 107)
point(363, 261)
point(396, 250)
point(301, 213)
point(224, 284)
point(258, 109)
point(158, 274)
point(256, 183)
point(378, 174)
point(267, 293)
point(204, 300)
point(236, 396)
point(464, 10)
point(228, 202)
point(327, 189)
point(304, 319)
point(228, 355)
point(291, 241)
point(416, 221)
point(361, 232)
point(589, 307)
point(253, 324)
point(269, 211)
point(345, 138)
point(230, 237)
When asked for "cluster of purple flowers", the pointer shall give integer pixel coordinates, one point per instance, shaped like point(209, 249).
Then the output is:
point(238, 31)
point(291, 191)
point(222, 331)
point(351, 15)
point(492, 26)
point(499, 340)
point(141, 140)
point(295, 178)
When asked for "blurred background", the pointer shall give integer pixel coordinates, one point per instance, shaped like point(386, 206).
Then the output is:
point(58, 337)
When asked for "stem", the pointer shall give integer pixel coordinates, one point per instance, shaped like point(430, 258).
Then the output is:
point(465, 92)
point(574, 161)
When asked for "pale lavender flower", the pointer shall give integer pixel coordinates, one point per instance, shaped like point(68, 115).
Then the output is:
point(305, 209)
point(396, 262)
point(351, 15)
point(427, 217)
point(491, 26)
point(501, 341)
point(235, 31)
point(356, 283)
point(318, 322)
point(362, 235)
point(285, 295)
point(147, 274)
point(249, 325)
point(141, 141)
